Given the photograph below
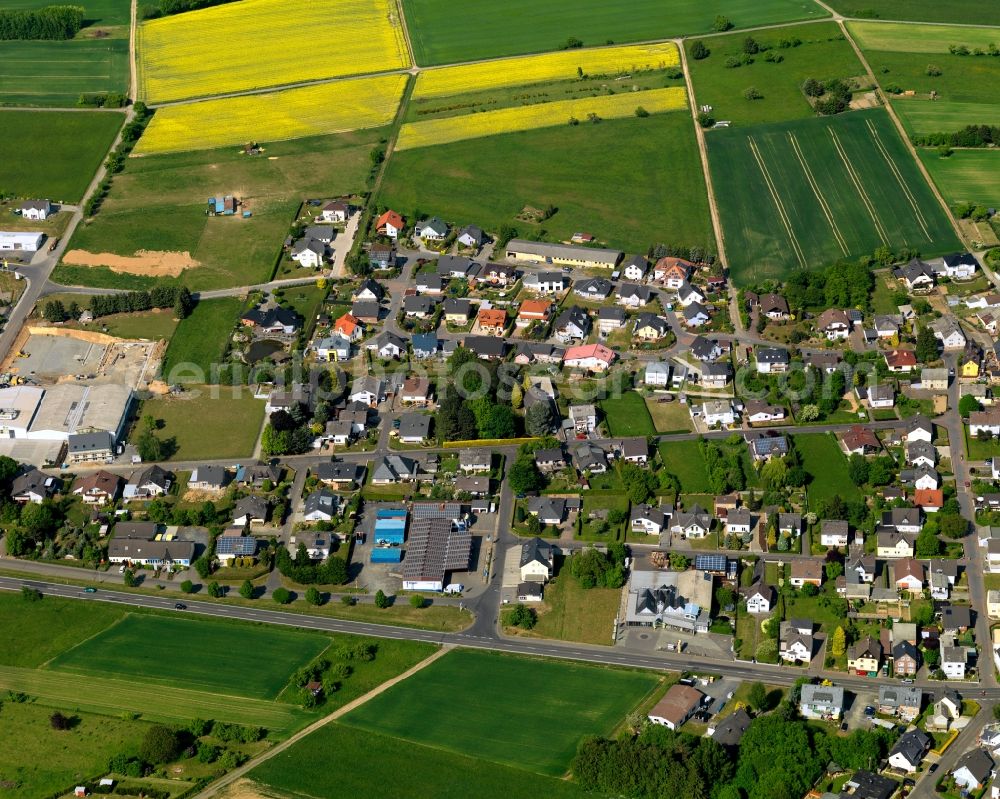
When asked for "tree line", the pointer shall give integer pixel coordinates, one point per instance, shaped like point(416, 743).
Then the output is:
point(969, 136)
point(51, 22)
point(177, 297)
point(165, 8)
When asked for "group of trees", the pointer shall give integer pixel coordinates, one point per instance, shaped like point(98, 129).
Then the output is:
point(490, 413)
point(51, 22)
point(829, 97)
point(164, 8)
point(593, 568)
point(724, 466)
point(969, 136)
point(305, 571)
point(177, 297)
point(521, 616)
point(845, 284)
point(287, 432)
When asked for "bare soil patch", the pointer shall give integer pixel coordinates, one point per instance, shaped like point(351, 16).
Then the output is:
point(153, 263)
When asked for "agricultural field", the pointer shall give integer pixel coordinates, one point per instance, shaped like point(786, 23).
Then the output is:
point(627, 415)
point(821, 455)
point(564, 65)
point(201, 339)
point(180, 56)
point(440, 29)
point(274, 116)
point(823, 54)
point(97, 13)
point(542, 167)
point(960, 11)
point(204, 655)
point(157, 205)
point(56, 73)
point(966, 175)
point(207, 427)
point(816, 190)
point(43, 762)
point(489, 725)
point(556, 113)
point(965, 86)
point(50, 627)
point(54, 154)
point(403, 768)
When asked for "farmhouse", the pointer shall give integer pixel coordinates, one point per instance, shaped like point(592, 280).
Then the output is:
point(561, 254)
point(36, 210)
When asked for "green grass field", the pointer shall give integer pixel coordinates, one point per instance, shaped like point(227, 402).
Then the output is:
point(97, 13)
point(813, 191)
point(204, 655)
point(961, 11)
point(44, 629)
point(147, 324)
point(684, 459)
point(491, 724)
point(924, 116)
point(627, 415)
point(825, 462)
point(366, 765)
point(207, 427)
point(824, 54)
point(158, 203)
point(572, 613)
point(48, 73)
point(488, 181)
point(668, 417)
point(442, 32)
point(202, 338)
point(54, 154)
point(924, 38)
point(966, 175)
point(157, 702)
point(45, 762)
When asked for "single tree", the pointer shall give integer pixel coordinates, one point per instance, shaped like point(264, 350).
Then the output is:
point(757, 696)
point(838, 642)
point(281, 595)
point(416, 601)
point(246, 590)
point(187, 586)
point(381, 600)
point(313, 596)
point(699, 50)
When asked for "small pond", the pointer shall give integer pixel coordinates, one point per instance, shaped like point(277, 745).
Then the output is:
point(259, 350)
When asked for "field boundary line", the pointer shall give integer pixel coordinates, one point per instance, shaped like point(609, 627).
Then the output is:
point(899, 178)
point(232, 776)
point(782, 214)
point(815, 188)
point(91, 637)
point(858, 186)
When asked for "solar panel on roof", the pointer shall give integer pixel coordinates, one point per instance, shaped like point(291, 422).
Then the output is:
point(716, 563)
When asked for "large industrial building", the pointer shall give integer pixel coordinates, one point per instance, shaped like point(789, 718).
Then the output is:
point(64, 410)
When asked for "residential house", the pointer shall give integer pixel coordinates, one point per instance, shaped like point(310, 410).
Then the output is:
point(757, 412)
point(414, 428)
point(545, 282)
point(678, 705)
point(901, 701)
point(368, 390)
point(590, 357)
point(909, 575)
point(921, 453)
point(340, 475)
point(584, 418)
point(148, 483)
point(365, 311)
point(673, 272)
point(865, 657)
point(714, 413)
point(954, 660)
point(973, 770)
point(416, 391)
point(251, 510)
point(430, 283)
point(390, 224)
point(760, 598)
point(349, 326)
point(34, 486)
point(498, 276)
point(631, 295)
point(834, 324)
point(794, 645)
point(947, 330)
point(433, 229)
point(308, 253)
point(635, 268)
point(424, 345)
point(961, 266)
point(394, 469)
point(887, 326)
point(369, 290)
point(772, 359)
point(536, 561)
point(696, 315)
point(209, 478)
point(320, 506)
point(457, 311)
point(650, 327)
point(706, 349)
point(549, 510)
point(388, 346)
point(657, 374)
point(594, 289)
point(689, 295)
point(550, 460)
point(710, 375)
point(335, 211)
point(766, 445)
point(790, 524)
point(905, 662)
point(471, 237)
point(610, 318)
point(880, 396)
point(492, 321)
point(894, 544)
point(98, 488)
point(821, 701)
point(956, 619)
point(917, 275)
point(232, 544)
point(833, 533)
point(739, 522)
point(695, 523)
point(904, 520)
point(987, 421)
point(900, 361)
point(36, 210)
point(573, 324)
point(382, 256)
point(533, 311)
point(419, 306)
point(860, 440)
point(806, 570)
point(96, 447)
point(649, 519)
point(774, 307)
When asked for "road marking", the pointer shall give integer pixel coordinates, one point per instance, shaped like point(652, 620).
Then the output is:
point(777, 201)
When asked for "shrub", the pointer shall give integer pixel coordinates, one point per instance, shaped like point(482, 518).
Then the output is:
point(416, 601)
point(282, 596)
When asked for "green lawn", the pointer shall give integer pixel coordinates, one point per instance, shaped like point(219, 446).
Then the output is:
point(596, 502)
point(627, 415)
point(571, 613)
point(44, 629)
point(306, 301)
point(824, 54)
point(56, 73)
point(44, 762)
point(155, 324)
point(489, 181)
point(825, 462)
point(977, 450)
point(812, 191)
point(489, 724)
point(204, 427)
point(669, 417)
point(54, 154)
point(201, 340)
point(966, 175)
point(365, 765)
point(158, 203)
point(443, 32)
point(197, 654)
point(684, 459)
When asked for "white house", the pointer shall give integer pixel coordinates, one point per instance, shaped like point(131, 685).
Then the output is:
point(715, 412)
point(760, 598)
point(308, 253)
point(36, 210)
point(833, 533)
point(953, 662)
point(657, 374)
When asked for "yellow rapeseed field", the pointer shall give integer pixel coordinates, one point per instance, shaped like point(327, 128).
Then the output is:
point(541, 115)
point(563, 65)
point(255, 44)
point(274, 116)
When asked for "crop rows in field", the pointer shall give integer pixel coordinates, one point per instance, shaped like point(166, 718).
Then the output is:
point(540, 115)
point(274, 116)
point(809, 192)
point(255, 44)
point(561, 65)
